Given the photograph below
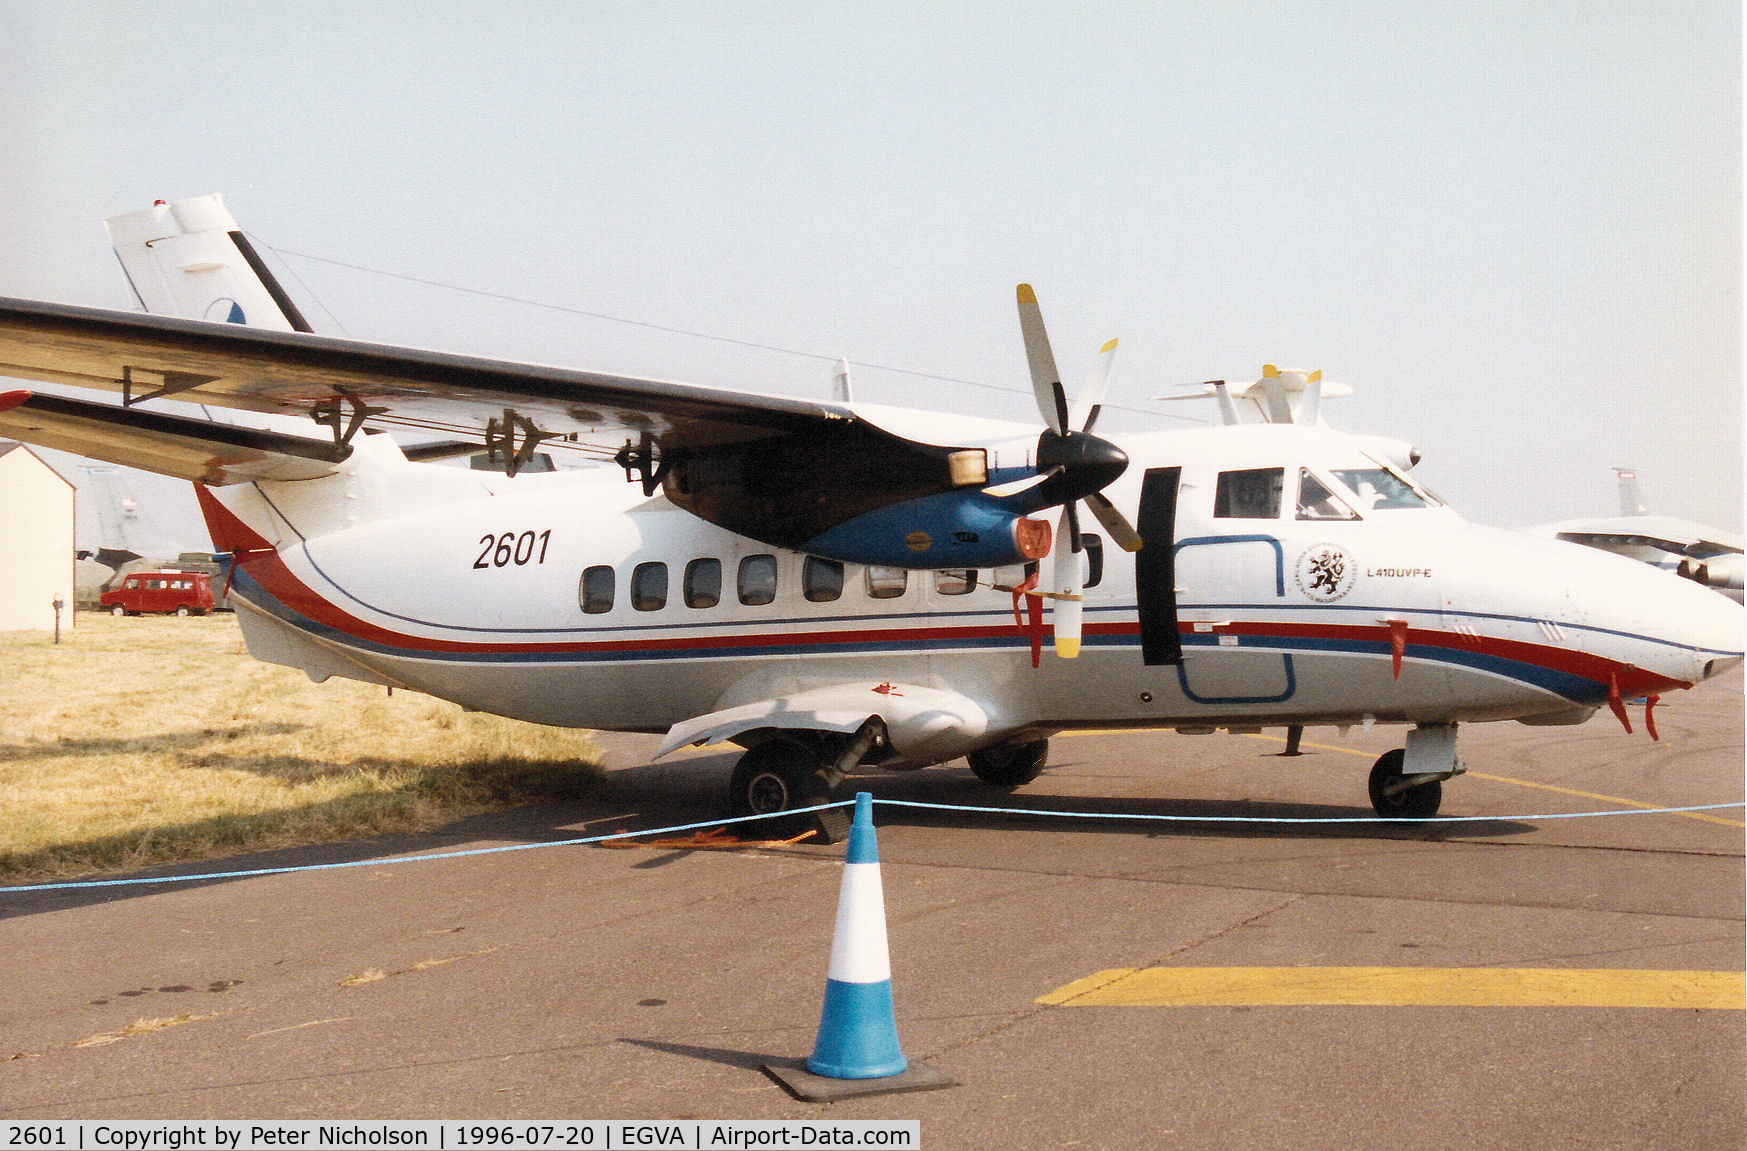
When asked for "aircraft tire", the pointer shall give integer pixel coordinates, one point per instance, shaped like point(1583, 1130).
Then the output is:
point(1415, 803)
point(1010, 764)
point(779, 775)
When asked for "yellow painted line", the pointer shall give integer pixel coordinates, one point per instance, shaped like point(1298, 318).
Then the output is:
point(1537, 786)
point(1402, 987)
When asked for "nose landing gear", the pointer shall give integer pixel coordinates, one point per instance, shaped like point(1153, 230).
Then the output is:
point(1395, 796)
point(1407, 783)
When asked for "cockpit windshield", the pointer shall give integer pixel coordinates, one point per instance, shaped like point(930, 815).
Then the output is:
point(1317, 502)
point(1382, 489)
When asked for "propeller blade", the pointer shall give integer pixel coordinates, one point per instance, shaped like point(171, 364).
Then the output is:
point(1071, 525)
point(1114, 522)
point(1046, 381)
point(1068, 575)
point(1310, 408)
point(1090, 402)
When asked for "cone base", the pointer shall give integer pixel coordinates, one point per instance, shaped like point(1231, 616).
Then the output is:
point(810, 1088)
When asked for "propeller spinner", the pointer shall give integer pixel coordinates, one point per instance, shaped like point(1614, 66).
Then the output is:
point(1072, 466)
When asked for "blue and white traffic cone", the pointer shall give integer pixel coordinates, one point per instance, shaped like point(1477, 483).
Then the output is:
point(858, 1031)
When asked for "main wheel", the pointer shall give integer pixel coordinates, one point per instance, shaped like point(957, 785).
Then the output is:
point(778, 776)
point(1010, 764)
point(1418, 802)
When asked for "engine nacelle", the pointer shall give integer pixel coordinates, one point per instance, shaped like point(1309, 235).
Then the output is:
point(963, 529)
point(1393, 451)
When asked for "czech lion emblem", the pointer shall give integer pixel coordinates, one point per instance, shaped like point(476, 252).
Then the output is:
point(1324, 573)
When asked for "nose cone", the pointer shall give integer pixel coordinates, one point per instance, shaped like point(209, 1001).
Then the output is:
point(1687, 632)
point(1627, 626)
point(1718, 628)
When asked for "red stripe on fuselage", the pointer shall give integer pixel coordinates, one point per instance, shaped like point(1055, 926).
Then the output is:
point(261, 560)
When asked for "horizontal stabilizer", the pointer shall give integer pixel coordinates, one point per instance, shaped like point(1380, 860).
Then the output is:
point(188, 449)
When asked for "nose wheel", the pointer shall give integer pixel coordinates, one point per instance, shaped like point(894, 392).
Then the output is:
point(1398, 796)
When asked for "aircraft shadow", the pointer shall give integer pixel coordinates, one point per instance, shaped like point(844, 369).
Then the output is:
point(690, 791)
point(694, 793)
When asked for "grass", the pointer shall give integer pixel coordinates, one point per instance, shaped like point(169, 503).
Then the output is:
point(147, 740)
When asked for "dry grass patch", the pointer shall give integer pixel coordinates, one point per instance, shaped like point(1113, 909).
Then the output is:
point(151, 739)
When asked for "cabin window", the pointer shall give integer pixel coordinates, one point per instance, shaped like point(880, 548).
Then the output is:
point(757, 580)
point(596, 590)
point(703, 583)
point(1317, 502)
point(958, 581)
point(886, 583)
point(649, 587)
point(821, 580)
point(1380, 488)
point(1253, 494)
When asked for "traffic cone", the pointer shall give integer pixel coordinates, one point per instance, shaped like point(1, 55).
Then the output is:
point(858, 1031)
point(856, 1052)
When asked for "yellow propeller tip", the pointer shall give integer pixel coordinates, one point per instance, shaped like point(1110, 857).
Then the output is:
point(1108, 347)
point(1314, 377)
point(1067, 649)
point(1270, 372)
point(1026, 295)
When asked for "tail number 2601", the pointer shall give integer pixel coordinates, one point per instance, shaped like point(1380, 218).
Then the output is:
point(521, 549)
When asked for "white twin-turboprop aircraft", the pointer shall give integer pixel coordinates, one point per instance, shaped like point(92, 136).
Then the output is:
point(832, 584)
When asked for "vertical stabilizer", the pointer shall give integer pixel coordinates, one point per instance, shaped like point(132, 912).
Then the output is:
point(1631, 499)
point(190, 259)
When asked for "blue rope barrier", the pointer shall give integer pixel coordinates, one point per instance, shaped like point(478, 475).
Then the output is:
point(1042, 813)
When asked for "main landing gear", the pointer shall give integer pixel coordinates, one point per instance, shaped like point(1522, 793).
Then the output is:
point(781, 774)
point(1010, 764)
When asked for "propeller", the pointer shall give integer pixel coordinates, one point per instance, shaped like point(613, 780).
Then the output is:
point(1072, 466)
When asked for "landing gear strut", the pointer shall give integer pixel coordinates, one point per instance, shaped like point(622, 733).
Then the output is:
point(779, 775)
point(1010, 764)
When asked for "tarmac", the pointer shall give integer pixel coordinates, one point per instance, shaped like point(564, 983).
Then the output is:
point(1086, 983)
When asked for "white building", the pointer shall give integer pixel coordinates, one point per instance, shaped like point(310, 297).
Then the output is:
point(36, 542)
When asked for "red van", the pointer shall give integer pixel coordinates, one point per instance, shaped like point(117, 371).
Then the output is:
point(185, 593)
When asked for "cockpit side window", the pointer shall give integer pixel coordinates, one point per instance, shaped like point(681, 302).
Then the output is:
point(1317, 502)
point(1249, 495)
point(1381, 489)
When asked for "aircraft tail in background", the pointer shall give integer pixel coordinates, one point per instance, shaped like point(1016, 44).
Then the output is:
point(190, 259)
point(1631, 499)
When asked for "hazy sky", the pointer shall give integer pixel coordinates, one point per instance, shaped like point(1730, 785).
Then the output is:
point(1514, 229)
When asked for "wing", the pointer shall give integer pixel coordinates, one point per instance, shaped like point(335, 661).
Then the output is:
point(774, 468)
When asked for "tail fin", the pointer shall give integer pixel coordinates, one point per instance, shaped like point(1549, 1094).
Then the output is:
point(190, 259)
point(1631, 500)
